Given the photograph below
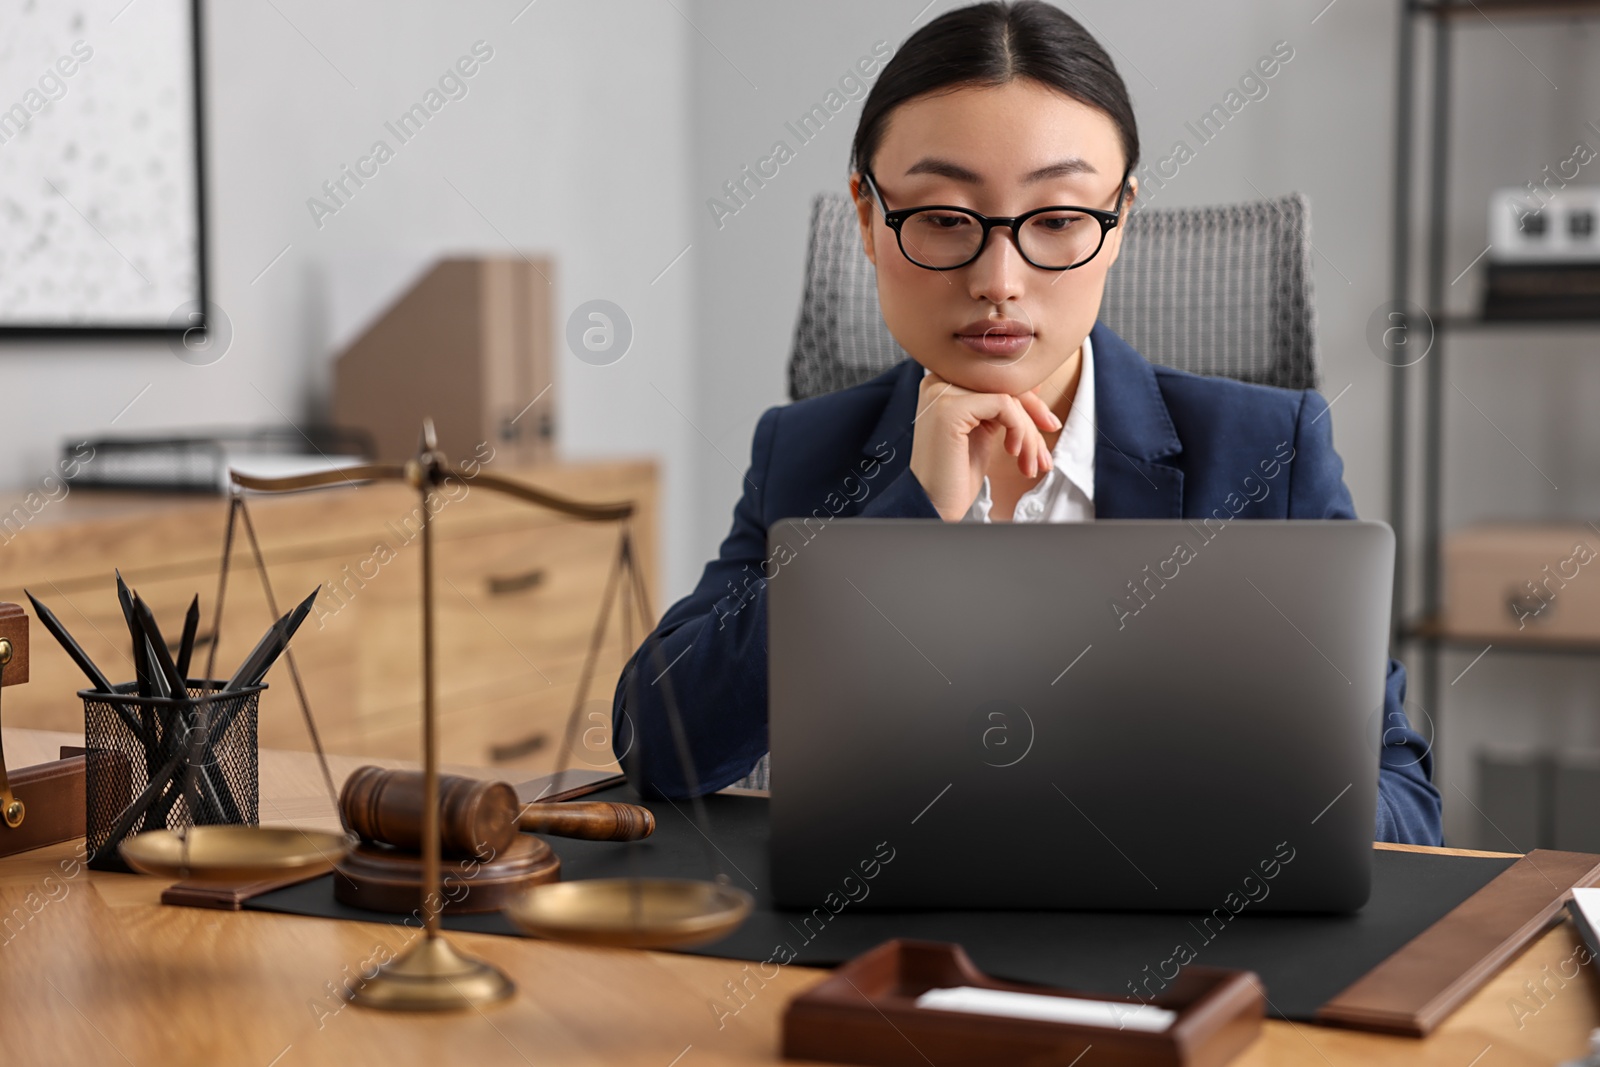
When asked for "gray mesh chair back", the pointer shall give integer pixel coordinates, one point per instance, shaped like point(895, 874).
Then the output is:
point(1214, 290)
point(1222, 290)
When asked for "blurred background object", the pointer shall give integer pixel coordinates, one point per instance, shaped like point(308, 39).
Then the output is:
point(102, 230)
point(1544, 249)
point(469, 346)
point(199, 461)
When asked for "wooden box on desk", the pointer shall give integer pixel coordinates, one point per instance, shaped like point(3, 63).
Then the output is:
point(517, 589)
point(1523, 582)
point(867, 1013)
point(47, 801)
point(469, 345)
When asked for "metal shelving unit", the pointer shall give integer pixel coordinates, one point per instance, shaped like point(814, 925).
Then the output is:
point(1421, 628)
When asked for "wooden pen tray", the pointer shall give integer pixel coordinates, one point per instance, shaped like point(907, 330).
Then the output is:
point(54, 798)
point(866, 1013)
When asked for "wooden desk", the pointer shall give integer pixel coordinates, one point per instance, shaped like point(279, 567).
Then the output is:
point(98, 972)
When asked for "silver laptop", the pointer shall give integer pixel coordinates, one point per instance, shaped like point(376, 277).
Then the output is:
point(1153, 715)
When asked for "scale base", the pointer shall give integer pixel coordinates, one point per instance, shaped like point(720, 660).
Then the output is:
point(433, 976)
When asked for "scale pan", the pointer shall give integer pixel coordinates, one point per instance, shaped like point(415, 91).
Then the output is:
point(234, 853)
point(631, 913)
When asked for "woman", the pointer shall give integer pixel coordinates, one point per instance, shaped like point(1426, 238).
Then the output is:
point(1015, 405)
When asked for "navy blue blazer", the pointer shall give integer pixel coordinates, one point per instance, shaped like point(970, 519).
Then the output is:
point(1171, 446)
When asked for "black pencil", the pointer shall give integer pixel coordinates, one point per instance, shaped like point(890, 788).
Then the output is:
point(74, 650)
point(143, 727)
point(260, 660)
point(142, 668)
point(294, 619)
point(191, 625)
point(272, 643)
point(159, 653)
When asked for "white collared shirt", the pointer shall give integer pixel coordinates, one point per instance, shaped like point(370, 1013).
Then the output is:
point(1066, 492)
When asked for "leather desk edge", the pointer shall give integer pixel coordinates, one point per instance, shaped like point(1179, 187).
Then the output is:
point(1434, 973)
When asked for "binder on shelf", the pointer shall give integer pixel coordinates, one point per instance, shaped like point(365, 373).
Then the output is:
point(468, 345)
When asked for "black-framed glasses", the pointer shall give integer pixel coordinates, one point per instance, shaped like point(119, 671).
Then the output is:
point(944, 237)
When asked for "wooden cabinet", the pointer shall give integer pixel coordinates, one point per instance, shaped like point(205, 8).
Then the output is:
point(517, 594)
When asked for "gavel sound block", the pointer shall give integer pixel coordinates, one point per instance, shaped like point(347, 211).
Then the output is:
point(485, 858)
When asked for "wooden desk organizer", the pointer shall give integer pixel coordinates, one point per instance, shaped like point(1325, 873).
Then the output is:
point(866, 1013)
point(1434, 973)
point(51, 794)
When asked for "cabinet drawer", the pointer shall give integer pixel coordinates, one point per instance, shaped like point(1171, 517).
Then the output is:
point(517, 590)
point(468, 733)
point(514, 606)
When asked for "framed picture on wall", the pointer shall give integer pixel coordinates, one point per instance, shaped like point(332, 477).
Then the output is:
point(102, 197)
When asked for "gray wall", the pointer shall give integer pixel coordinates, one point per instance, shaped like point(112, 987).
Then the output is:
point(583, 107)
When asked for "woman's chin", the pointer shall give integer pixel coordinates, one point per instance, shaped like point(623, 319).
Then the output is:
point(990, 375)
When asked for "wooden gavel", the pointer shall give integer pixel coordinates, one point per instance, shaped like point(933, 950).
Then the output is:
point(476, 815)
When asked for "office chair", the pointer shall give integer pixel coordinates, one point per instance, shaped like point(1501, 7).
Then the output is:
point(1222, 290)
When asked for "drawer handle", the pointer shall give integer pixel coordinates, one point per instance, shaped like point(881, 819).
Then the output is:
point(1525, 607)
point(503, 585)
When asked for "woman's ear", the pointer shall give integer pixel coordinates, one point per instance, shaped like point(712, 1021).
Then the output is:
point(862, 199)
point(1114, 238)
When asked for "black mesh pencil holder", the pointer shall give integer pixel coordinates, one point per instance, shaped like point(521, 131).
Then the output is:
point(160, 763)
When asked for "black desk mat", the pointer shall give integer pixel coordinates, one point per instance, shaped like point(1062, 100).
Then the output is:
point(1303, 960)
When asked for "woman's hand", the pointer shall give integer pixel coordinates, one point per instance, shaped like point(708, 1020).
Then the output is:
point(957, 432)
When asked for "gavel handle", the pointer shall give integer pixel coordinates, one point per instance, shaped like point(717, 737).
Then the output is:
point(595, 820)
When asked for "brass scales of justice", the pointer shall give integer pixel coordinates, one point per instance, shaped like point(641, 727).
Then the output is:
point(432, 975)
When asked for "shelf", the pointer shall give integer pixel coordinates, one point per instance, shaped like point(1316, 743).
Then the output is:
point(1510, 8)
point(1478, 322)
point(1429, 70)
point(1433, 631)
